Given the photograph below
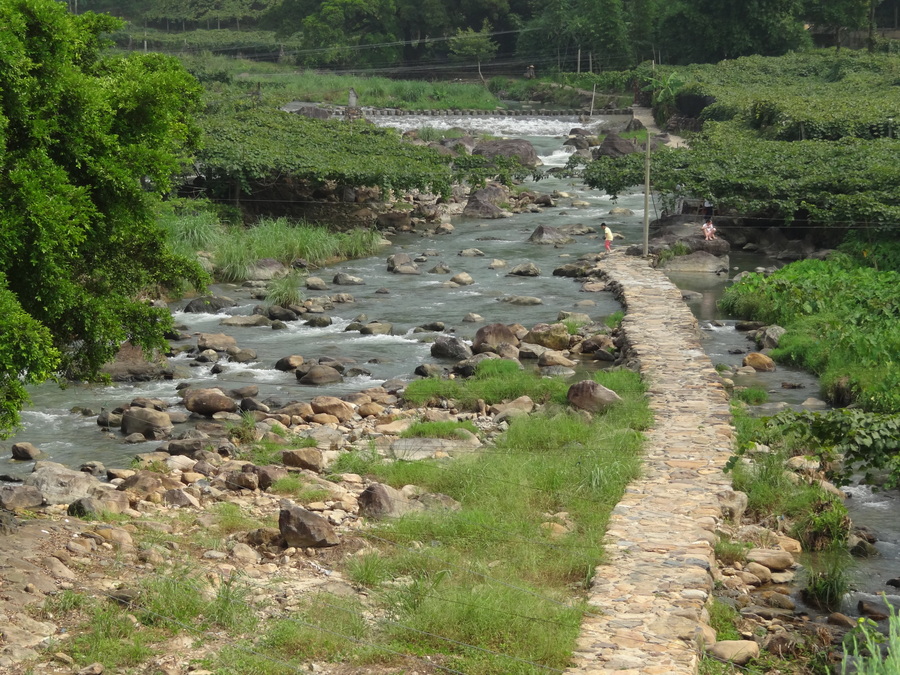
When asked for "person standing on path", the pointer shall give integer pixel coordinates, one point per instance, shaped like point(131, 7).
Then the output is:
point(607, 237)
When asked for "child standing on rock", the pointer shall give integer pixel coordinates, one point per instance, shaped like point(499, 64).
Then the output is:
point(607, 237)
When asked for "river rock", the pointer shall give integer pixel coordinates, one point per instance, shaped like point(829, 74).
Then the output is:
point(400, 259)
point(14, 497)
point(554, 358)
point(316, 284)
point(440, 268)
point(738, 652)
point(152, 424)
point(210, 304)
point(219, 342)
point(489, 337)
point(591, 396)
point(573, 270)
point(131, 364)
point(462, 279)
point(383, 501)
point(377, 328)
point(145, 483)
point(344, 279)
point(207, 402)
point(25, 451)
point(61, 485)
point(759, 362)
point(773, 559)
point(254, 320)
point(528, 269)
point(471, 253)
point(450, 347)
point(517, 148)
point(698, 262)
point(523, 300)
point(876, 611)
point(552, 336)
point(331, 405)
point(614, 145)
point(303, 529)
point(318, 321)
point(318, 375)
point(304, 458)
point(544, 234)
point(770, 336)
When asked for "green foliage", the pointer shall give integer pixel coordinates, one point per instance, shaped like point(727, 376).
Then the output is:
point(299, 489)
point(865, 646)
point(841, 322)
point(470, 45)
point(670, 253)
point(250, 149)
point(614, 320)
point(285, 291)
point(84, 139)
point(867, 442)
point(110, 637)
point(439, 429)
point(230, 518)
point(751, 395)
point(729, 552)
point(723, 618)
point(827, 579)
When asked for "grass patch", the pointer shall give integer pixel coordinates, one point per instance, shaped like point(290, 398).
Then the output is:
point(265, 452)
point(723, 618)
point(751, 395)
point(866, 646)
point(448, 429)
point(230, 519)
point(110, 637)
point(487, 587)
point(614, 320)
point(729, 552)
point(294, 486)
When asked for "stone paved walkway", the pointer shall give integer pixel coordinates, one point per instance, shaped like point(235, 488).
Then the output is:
point(648, 601)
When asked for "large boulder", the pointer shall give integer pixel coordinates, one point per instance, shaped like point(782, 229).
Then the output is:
point(13, 497)
point(219, 342)
point(152, 424)
point(527, 269)
point(303, 529)
point(208, 402)
point(266, 269)
point(318, 375)
point(591, 396)
point(698, 261)
point(614, 146)
point(552, 336)
point(61, 485)
point(209, 304)
point(490, 337)
point(450, 347)
point(517, 148)
point(131, 364)
point(144, 483)
point(544, 234)
point(487, 202)
point(383, 501)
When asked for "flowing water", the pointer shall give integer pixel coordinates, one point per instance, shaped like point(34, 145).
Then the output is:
point(72, 438)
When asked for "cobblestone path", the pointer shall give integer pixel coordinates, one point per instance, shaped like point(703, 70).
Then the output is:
point(648, 600)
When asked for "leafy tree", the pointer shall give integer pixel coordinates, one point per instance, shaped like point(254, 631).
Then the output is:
point(470, 45)
point(84, 140)
point(352, 32)
point(837, 15)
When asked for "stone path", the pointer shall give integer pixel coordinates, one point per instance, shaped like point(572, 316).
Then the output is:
point(645, 116)
point(648, 600)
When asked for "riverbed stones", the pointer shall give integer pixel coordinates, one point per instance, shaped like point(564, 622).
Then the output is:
point(774, 559)
point(209, 304)
point(150, 423)
point(59, 484)
point(489, 337)
point(527, 269)
point(450, 347)
point(13, 497)
point(462, 279)
point(552, 336)
point(552, 236)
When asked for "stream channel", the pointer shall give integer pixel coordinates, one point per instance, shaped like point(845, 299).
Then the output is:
point(72, 438)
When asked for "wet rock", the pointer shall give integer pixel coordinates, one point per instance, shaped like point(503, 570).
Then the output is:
point(25, 451)
point(210, 304)
point(462, 279)
point(316, 284)
point(528, 269)
point(450, 347)
point(289, 363)
point(517, 148)
point(471, 253)
point(775, 560)
point(491, 336)
point(152, 424)
point(344, 279)
point(208, 402)
point(544, 234)
point(377, 328)
point(759, 362)
point(873, 610)
point(246, 321)
point(552, 336)
point(318, 375)
point(770, 336)
point(318, 321)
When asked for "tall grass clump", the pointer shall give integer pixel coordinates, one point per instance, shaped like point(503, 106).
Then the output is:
point(827, 578)
point(285, 291)
point(868, 652)
point(189, 233)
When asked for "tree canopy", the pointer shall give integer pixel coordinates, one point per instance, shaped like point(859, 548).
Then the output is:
point(85, 140)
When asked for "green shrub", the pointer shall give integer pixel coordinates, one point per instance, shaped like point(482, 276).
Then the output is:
point(865, 646)
point(827, 579)
point(438, 429)
point(614, 320)
point(751, 395)
point(285, 291)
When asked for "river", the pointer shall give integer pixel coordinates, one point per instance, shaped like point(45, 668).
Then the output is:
point(56, 423)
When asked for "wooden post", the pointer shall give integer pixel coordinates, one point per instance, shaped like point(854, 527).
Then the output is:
point(647, 198)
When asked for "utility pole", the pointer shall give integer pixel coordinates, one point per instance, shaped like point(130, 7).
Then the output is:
point(647, 198)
